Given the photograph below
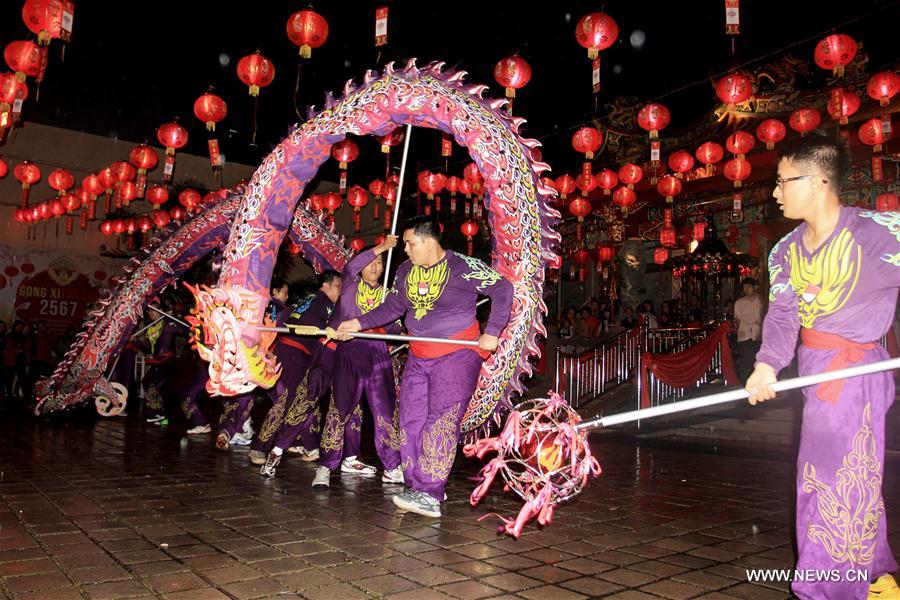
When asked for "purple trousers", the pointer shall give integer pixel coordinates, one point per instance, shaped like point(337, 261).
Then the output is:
point(154, 379)
point(841, 525)
point(289, 399)
point(189, 404)
point(236, 411)
point(361, 366)
point(434, 395)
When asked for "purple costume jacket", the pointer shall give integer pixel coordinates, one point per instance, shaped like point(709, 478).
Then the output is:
point(158, 346)
point(439, 301)
point(848, 288)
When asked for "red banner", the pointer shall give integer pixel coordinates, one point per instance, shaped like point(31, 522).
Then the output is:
point(59, 296)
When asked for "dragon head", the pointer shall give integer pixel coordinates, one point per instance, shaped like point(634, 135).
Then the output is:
point(224, 334)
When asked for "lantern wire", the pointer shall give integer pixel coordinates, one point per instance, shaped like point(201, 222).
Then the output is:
point(297, 89)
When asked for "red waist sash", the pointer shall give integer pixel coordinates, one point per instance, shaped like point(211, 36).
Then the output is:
point(293, 344)
point(848, 353)
point(436, 350)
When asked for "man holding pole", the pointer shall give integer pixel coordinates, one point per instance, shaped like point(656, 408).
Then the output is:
point(834, 280)
point(436, 291)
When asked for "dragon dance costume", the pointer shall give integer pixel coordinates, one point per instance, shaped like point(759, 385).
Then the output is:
point(841, 298)
point(158, 346)
point(438, 379)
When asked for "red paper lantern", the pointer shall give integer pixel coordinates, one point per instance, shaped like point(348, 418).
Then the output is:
point(605, 253)
point(513, 73)
point(344, 152)
point(737, 170)
point(376, 187)
point(161, 218)
point(886, 202)
point(316, 202)
point(46, 19)
point(872, 134)
point(107, 228)
point(430, 183)
point(392, 139)
point(653, 117)
point(11, 91)
point(709, 153)
point(177, 213)
point(804, 120)
point(579, 207)
point(842, 104)
point(28, 174)
point(465, 187)
point(667, 236)
point(357, 197)
point(255, 71)
point(25, 58)
point(173, 136)
point(835, 52)
point(453, 183)
point(70, 202)
point(123, 171)
point(681, 162)
point(470, 230)
point(210, 109)
point(586, 183)
point(624, 197)
point(60, 180)
point(144, 223)
point(332, 201)
point(660, 255)
point(357, 244)
point(565, 185)
point(770, 132)
point(127, 192)
point(587, 141)
point(669, 186)
point(740, 143)
point(699, 231)
point(144, 158)
point(93, 185)
point(630, 174)
point(883, 86)
point(307, 29)
point(471, 173)
point(57, 209)
point(596, 31)
point(734, 89)
point(189, 198)
point(607, 179)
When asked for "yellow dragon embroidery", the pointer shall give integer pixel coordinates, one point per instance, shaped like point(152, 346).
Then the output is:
point(425, 286)
point(368, 297)
point(851, 510)
point(826, 281)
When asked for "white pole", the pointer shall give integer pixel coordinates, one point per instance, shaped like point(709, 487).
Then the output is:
point(730, 396)
point(390, 255)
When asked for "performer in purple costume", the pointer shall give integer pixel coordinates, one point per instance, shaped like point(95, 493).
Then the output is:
point(189, 404)
point(158, 346)
point(834, 279)
point(291, 407)
point(234, 424)
point(361, 366)
point(436, 290)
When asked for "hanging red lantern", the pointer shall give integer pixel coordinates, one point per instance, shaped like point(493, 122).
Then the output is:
point(93, 185)
point(60, 180)
point(107, 228)
point(681, 162)
point(108, 179)
point(842, 104)
point(630, 174)
point(316, 202)
point(667, 236)
point(740, 143)
point(376, 187)
point(513, 73)
point(737, 170)
point(344, 152)
point(12, 94)
point(770, 132)
point(332, 201)
point(660, 255)
point(172, 136)
point(357, 198)
point(123, 171)
point(144, 223)
point(582, 258)
point(120, 226)
point(804, 120)
point(471, 173)
point(653, 117)
point(587, 141)
point(709, 153)
point(669, 186)
point(872, 134)
point(70, 202)
point(56, 208)
point(596, 31)
point(308, 30)
point(607, 179)
point(835, 52)
point(586, 183)
point(49, 19)
point(255, 71)
point(28, 174)
point(189, 198)
point(390, 140)
point(453, 185)
point(470, 230)
point(624, 197)
point(565, 185)
point(144, 158)
point(127, 192)
point(883, 86)
point(25, 58)
point(580, 208)
point(605, 253)
point(161, 218)
point(210, 109)
point(430, 183)
point(734, 89)
point(886, 202)
point(357, 244)
point(177, 213)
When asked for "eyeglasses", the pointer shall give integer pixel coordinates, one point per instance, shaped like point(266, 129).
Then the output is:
point(779, 182)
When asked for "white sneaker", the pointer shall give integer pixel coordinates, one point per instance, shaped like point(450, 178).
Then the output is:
point(309, 455)
point(296, 449)
point(257, 457)
point(199, 429)
point(395, 475)
point(351, 464)
point(155, 419)
point(247, 428)
point(272, 462)
point(240, 439)
point(419, 503)
point(322, 479)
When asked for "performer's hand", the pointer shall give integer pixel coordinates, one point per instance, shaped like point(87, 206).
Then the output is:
point(390, 241)
point(759, 382)
point(488, 342)
point(346, 328)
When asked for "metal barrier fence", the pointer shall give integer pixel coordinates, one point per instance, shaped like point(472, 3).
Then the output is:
point(670, 343)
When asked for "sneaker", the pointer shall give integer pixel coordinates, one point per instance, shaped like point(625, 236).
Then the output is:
point(419, 503)
point(296, 449)
point(351, 464)
point(395, 475)
point(257, 457)
point(155, 419)
point(240, 439)
point(322, 479)
point(222, 441)
point(309, 455)
point(884, 588)
point(272, 462)
point(199, 429)
point(247, 428)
